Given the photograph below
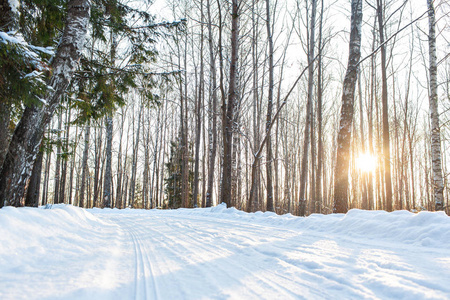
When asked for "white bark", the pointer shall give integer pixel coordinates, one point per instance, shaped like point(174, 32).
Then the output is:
point(438, 184)
point(25, 142)
point(345, 124)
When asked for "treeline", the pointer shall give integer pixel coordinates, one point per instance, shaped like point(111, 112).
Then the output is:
point(263, 105)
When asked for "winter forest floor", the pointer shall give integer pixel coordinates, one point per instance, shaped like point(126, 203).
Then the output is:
point(217, 253)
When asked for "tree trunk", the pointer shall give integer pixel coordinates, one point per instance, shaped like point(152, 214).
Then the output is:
point(145, 177)
point(228, 109)
point(345, 124)
point(384, 100)
point(58, 161)
point(97, 156)
point(363, 185)
point(5, 135)
point(27, 137)
point(198, 124)
point(84, 167)
point(370, 190)
point(269, 203)
point(62, 185)
point(32, 198)
point(72, 168)
point(119, 166)
point(309, 111)
point(108, 166)
point(320, 151)
point(438, 184)
point(46, 176)
point(253, 203)
point(6, 24)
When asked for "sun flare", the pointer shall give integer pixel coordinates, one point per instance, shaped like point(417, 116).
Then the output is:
point(366, 162)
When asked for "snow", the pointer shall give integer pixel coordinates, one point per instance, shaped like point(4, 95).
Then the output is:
point(30, 52)
point(217, 253)
point(14, 4)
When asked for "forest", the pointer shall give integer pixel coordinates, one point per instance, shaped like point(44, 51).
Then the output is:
point(299, 106)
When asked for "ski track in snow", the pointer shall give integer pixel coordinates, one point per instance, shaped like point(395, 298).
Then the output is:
point(198, 256)
point(195, 254)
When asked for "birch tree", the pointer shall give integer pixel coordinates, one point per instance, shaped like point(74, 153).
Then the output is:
point(28, 134)
point(345, 124)
point(438, 184)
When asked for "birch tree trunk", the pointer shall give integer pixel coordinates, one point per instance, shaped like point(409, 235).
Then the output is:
point(438, 184)
point(27, 137)
point(345, 124)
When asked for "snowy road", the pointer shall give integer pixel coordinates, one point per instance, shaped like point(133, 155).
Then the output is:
point(226, 254)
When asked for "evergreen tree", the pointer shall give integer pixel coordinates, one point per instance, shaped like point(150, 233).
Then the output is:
point(173, 183)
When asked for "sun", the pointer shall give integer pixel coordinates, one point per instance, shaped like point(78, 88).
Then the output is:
point(366, 162)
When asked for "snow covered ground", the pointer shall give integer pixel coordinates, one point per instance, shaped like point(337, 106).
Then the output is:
point(218, 253)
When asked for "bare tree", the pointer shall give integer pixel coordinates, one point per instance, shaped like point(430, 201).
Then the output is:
point(385, 114)
point(309, 110)
point(84, 166)
point(438, 184)
point(345, 124)
point(212, 131)
point(269, 187)
point(229, 108)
